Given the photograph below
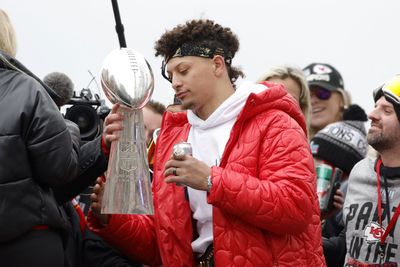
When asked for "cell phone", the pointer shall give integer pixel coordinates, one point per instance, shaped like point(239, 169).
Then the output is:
point(337, 176)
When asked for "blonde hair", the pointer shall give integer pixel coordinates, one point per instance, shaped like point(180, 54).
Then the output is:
point(296, 74)
point(346, 98)
point(8, 42)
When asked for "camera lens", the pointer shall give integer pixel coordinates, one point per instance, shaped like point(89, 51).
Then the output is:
point(85, 116)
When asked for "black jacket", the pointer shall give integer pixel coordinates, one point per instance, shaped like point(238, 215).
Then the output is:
point(37, 154)
point(334, 241)
point(86, 249)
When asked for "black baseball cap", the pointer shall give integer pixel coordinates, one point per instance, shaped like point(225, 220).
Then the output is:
point(323, 75)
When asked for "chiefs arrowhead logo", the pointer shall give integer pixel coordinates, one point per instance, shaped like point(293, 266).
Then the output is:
point(321, 69)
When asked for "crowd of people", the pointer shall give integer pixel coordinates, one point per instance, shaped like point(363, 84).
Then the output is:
point(282, 170)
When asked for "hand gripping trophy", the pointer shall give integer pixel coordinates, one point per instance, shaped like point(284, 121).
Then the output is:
point(126, 78)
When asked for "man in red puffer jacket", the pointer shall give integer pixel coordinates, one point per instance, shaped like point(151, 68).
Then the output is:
point(249, 195)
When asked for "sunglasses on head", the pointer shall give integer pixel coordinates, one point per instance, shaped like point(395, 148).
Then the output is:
point(320, 93)
point(391, 90)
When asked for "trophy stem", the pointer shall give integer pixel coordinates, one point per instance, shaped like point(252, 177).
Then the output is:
point(128, 186)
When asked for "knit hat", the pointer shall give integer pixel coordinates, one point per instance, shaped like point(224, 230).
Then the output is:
point(324, 75)
point(343, 143)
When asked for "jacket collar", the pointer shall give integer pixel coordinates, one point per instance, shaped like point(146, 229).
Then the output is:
point(9, 63)
point(274, 97)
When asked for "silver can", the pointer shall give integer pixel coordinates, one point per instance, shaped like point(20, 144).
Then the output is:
point(181, 149)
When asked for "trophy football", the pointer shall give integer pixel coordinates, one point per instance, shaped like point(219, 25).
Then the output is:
point(126, 78)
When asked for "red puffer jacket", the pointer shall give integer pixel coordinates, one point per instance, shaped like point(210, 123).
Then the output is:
point(265, 208)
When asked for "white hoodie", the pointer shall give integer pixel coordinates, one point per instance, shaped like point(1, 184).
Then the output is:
point(208, 138)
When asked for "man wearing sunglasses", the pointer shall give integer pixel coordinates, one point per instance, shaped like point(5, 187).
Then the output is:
point(328, 97)
point(372, 206)
point(247, 195)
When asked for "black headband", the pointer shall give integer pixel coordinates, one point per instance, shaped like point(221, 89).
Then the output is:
point(198, 50)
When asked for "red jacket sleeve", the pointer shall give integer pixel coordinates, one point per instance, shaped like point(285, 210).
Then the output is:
point(282, 199)
point(133, 235)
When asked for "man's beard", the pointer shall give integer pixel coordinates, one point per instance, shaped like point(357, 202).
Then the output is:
point(378, 141)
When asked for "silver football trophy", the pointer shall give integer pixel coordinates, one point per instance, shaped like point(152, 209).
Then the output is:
point(126, 78)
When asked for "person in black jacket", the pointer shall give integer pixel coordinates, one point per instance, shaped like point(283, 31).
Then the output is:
point(86, 249)
point(42, 167)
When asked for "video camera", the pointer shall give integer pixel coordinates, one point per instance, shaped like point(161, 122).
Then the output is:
point(88, 111)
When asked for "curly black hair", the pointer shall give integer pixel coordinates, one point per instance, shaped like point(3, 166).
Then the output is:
point(200, 32)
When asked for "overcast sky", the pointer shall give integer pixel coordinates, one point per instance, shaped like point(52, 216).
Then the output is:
point(360, 38)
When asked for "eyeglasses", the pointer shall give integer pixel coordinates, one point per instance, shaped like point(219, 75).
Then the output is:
point(390, 90)
point(320, 93)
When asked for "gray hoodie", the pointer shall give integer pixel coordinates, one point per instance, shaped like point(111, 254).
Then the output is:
point(361, 215)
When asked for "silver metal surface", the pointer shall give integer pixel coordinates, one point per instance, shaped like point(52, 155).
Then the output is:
point(126, 78)
point(181, 149)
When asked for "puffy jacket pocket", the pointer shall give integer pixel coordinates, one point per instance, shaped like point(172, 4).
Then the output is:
point(20, 208)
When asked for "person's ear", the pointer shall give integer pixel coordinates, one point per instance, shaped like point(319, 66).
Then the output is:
point(218, 65)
